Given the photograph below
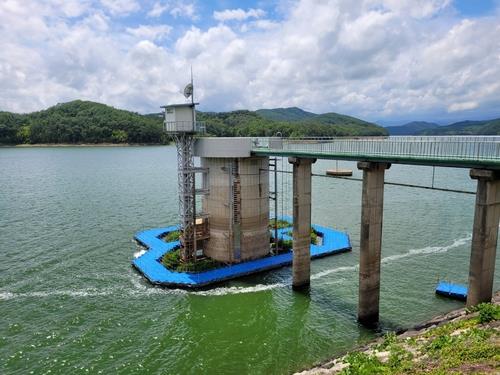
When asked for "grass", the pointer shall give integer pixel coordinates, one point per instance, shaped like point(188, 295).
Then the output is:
point(315, 236)
point(283, 245)
point(487, 312)
point(172, 236)
point(469, 345)
point(172, 261)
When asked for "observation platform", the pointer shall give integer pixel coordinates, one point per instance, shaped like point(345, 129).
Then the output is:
point(446, 151)
point(149, 263)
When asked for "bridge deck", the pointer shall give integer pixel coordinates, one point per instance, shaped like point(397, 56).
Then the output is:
point(456, 151)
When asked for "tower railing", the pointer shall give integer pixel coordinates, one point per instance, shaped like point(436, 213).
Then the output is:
point(184, 126)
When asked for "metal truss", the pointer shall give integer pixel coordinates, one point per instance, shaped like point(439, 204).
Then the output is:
point(187, 194)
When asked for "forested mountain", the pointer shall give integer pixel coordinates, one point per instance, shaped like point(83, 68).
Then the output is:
point(486, 127)
point(411, 128)
point(252, 124)
point(342, 124)
point(80, 121)
point(285, 114)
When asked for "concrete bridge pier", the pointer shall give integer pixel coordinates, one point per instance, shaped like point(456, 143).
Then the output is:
point(371, 240)
point(484, 236)
point(301, 266)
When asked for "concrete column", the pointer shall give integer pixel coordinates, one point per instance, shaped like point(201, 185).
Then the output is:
point(371, 240)
point(484, 236)
point(301, 222)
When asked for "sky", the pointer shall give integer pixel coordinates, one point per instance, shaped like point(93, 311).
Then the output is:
point(387, 61)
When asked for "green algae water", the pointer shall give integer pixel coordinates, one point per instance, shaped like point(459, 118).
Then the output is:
point(71, 303)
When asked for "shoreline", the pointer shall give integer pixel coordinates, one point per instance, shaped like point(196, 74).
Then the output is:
point(336, 364)
point(43, 145)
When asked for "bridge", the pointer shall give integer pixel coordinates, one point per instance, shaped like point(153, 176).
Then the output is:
point(480, 154)
point(451, 151)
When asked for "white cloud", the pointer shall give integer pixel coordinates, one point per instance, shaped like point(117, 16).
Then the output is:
point(376, 59)
point(121, 7)
point(238, 14)
point(72, 8)
point(455, 107)
point(158, 9)
point(415, 8)
point(177, 8)
point(184, 9)
point(156, 32)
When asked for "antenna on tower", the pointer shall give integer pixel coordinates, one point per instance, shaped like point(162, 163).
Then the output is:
point(189, 89)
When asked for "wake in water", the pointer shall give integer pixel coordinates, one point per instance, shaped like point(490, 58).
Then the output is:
point(137, 254)
point(140, 289)
point(55, 293)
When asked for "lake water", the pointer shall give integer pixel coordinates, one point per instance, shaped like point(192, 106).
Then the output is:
point(71, 303)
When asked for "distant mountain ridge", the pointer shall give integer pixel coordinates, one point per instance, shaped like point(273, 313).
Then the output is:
point(411, 128)
point(336, 124)
point(287, 122)
point(485, 127)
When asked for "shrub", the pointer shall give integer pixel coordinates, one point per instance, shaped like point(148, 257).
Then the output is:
point(487, 312)
point(172, 261)
point(281, 224)
point(172, 236)
point(389, 339)
point(315, 236)
point(362, 364)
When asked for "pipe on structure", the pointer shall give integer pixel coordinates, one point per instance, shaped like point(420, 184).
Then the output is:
point(484, 236)
point(371, 240)
point(301, 266)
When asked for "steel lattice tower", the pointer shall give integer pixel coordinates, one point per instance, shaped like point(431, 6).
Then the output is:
point(187, 193)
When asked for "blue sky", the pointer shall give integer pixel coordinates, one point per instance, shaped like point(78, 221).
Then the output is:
point(388, 61)
point(474, 8)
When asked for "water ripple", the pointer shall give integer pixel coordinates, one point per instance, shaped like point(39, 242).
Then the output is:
point(140, 289)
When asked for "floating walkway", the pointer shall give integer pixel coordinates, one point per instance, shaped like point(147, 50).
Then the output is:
point(456, 291)
point(149, 263)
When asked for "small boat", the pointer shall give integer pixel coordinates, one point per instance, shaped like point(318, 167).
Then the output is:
point(450, 290)
point(339, 172)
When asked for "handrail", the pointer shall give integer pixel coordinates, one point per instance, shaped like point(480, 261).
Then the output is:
point(184, 126)
point(477, 148)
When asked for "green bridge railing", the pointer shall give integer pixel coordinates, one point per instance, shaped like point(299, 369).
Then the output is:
point(453, 151)
point(483, 149)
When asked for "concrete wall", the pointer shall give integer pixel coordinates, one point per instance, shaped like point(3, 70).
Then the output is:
point(180, 118)
point(223, 147)
point(247, 237)
point(179, 114)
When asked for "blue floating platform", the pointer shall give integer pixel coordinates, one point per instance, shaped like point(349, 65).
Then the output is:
point(455, 291)
point(149, 263)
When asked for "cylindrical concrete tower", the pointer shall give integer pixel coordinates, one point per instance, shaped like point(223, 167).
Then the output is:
point(238, 208)
point(237, 202)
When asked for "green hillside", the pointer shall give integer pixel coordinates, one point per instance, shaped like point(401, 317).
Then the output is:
point(414, 127)
point(486, 127)
point(285, 114)
point(80, 122)
point(336, 124)
point(298, 123)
